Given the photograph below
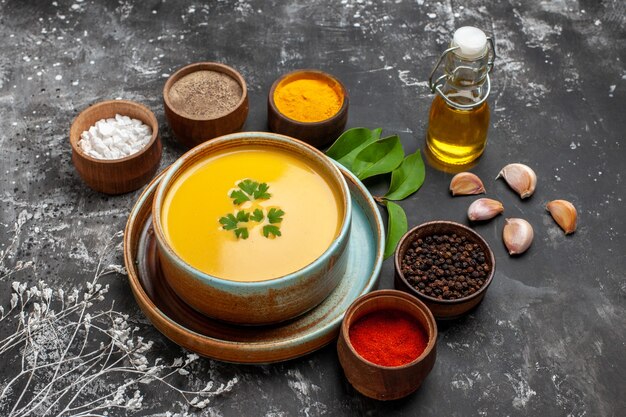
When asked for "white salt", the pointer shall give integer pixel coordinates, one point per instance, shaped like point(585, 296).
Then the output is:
point(115, 138)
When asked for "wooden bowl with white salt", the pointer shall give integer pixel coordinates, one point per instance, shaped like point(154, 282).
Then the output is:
point(117, 155)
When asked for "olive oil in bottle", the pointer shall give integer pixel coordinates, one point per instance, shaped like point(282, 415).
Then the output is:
point(459, 115)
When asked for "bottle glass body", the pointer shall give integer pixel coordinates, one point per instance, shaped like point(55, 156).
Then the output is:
point(459, 135)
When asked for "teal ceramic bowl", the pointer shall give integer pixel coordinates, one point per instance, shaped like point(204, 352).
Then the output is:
point(255, 302)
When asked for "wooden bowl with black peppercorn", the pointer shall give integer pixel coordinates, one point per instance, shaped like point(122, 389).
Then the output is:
point(446, 265)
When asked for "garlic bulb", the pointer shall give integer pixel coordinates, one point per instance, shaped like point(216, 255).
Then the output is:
point(564, 214)
point(484, 209)
point(521, 178)
point(517, 235)
point(466, 183)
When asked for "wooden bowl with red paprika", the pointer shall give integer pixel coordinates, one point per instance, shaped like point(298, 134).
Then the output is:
point(387, 344)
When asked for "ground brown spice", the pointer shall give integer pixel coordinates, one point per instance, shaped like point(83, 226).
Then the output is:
point(205, 94)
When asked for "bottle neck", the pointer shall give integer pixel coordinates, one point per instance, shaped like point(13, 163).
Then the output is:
point(465, 78)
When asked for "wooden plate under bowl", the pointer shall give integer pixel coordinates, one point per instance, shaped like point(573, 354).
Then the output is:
point(116, 176)
point(258, 344)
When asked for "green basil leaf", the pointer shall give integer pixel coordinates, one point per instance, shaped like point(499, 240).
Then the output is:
point(350, 143)
point(397, 226)
point(407, 178)
point(380, 157)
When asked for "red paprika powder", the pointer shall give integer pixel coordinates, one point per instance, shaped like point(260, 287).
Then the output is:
point(388, 338)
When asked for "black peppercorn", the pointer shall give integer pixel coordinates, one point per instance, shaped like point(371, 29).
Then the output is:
point(445, 266)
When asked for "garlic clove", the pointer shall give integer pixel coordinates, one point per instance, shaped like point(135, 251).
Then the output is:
point(521, 178)
point(466, 183)
point(564, 214)
point(517, 235)
point(484, 209)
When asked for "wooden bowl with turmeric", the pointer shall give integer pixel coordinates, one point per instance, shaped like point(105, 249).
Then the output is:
point(309, 105)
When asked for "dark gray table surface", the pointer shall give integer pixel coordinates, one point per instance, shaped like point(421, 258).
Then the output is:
point(549, 338)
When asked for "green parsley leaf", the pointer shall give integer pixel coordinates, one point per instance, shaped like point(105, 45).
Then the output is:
point(241, 232)
point(229, 222)
point(270, 229)
point(257, 216)
point(243, 216)
point(250, 190)
point(261, 192)
point(239, 197)
point(248, 186)
point(275, 215)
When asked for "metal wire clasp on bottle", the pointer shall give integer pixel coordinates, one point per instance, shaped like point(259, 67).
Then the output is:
point(436, 86)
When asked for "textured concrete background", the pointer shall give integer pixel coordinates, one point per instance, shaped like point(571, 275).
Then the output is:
point(549, 339)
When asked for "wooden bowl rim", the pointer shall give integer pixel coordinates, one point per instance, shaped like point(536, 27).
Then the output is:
point(330, 120)
point(241, 139)
point(205, 66)
point(410, 234)
point(154, 125)
point(431, 330)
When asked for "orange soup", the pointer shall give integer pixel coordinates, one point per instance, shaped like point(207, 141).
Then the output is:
point(251, 214)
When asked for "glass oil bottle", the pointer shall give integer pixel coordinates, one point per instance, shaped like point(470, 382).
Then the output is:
point(459, 115)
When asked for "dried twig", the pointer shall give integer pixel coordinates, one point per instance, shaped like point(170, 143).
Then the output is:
point(63, 372)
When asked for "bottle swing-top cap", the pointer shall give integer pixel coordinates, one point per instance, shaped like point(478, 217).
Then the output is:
point(471, 42)
point(468, 44)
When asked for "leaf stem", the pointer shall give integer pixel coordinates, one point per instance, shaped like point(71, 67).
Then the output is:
point(380, 200)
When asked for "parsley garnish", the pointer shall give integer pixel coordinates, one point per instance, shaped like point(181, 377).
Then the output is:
point(239, 197)
point(241, 232)
point(275, 215)
point(250, 190)
point(243, 216)
point(271, 229)
point(239, 222)
point(257, 215)
point(261, 192)
point(229, 222)
point(248, 186)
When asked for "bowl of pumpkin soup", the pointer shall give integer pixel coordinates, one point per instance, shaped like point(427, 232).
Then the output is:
point(252, 227)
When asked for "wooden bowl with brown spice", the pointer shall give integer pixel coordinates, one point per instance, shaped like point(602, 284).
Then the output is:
point(446, 265)
point(205, 100)
point(309, 105)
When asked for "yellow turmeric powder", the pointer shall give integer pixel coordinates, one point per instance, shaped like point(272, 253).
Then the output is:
point(310, 99)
